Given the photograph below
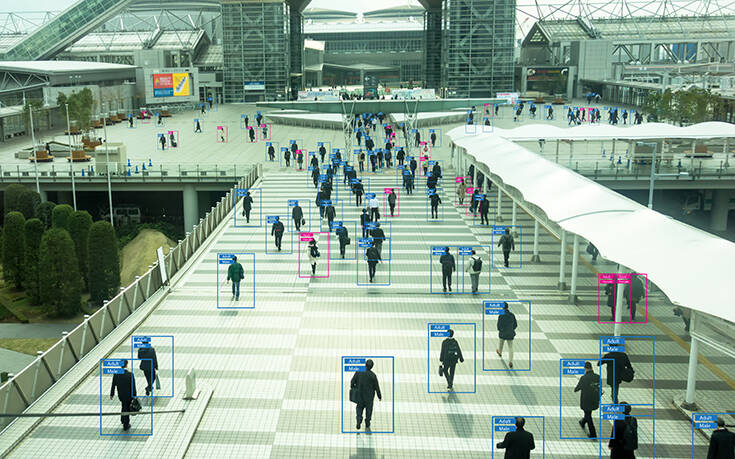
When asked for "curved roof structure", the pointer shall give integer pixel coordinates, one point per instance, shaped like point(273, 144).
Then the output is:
point(623, 230)
point(709, 130)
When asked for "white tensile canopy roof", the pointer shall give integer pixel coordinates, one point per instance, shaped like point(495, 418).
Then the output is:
point(713, 129)
point(694, 268)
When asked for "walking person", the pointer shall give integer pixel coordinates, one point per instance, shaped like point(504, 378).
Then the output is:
point(506, 242)
point(277, 231)
point(300, 159)
point(624, 437)
point(433, 139)
point(507, 325)
point(461, 192)
point(633, 293)
point(124, 383)
point(162, 139)
point(235, 273)
point(448, 267)
point(392, 200)
point(251, 134)
point(322, 152)
point(409, 182)
point(484, 210)
point(400, 156)
point(374, 206)
point(378, 237)
point(721, 443)
point(297, 214)
point(372, 256)
point(315, 176)
point(589, 398)
point(343, 237)
point(364, 219)
point(358, 190)
point(313, 255)
point(247, 205)
point(361, 161)
point(149, 365)
point(271, 153)
point(287, 157)
point(366, 387)
point(474, 268)
point(519, 443)
point(449, 356)
point(330, 212)
point(619, 369)
point(435, 200)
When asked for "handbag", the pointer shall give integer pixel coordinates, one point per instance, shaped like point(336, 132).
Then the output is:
point(354, 395)
point(347, 241)
point(303, 221)
point(441, 370)
point(627, 374)
point(158, 382)
point(135, 405)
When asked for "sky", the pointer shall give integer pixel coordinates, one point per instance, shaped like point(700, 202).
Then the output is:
point(355, 6)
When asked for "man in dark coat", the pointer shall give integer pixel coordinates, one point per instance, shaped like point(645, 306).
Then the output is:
point(519, 443)
point(589, 399)
point(617, 363)
point(506, 325)
point(315, 176)
point(358, 190)
point(433, 139)
point(125, 385)
point(330, 213)
point(507, 243)
point(392, 201)
point(277, 231)
point(271, 153)
point(448, 267)
point(378, 237)
point(623, 446)
point(413, 165)
point(364, 219)
point(484, 210)
point(367, 387)
point(322, 152)
point(450, 354)
point(400, 156)
point(287, 157)
point(372, 256)
point(297, 214)
point(435, 200)
point(721, 443)
point(149, 365)
point(247, 205)
point(343, 236)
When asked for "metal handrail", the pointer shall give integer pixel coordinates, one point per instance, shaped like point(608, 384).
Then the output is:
point(24, 388)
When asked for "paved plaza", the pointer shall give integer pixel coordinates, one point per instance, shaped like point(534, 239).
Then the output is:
point(276, 372)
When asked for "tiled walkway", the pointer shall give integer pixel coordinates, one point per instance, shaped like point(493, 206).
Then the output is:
point(276, 369)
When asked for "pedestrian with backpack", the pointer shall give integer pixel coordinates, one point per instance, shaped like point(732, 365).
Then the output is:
point(450, 354)
point(313, 255)
point(474, 267)
point(619, 369)
point(589, 399)
point(506, 241)
point(624, 437)
point(507, 325)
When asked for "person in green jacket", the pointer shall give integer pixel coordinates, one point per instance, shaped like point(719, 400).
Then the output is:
point(235, 273)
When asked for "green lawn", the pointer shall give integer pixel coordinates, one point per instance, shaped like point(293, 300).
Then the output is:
point(27, 345)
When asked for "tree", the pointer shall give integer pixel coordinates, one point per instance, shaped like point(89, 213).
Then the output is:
point(80, 106)
point(44, 212)
point(31, 278)
point(104, 262)
point(13, 248)
point(12, 197)
point(79, 226)
point(28, 203)
point(61, 216)
point(61, 289)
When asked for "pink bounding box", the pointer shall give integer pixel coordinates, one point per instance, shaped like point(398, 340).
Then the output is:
point(613, 279)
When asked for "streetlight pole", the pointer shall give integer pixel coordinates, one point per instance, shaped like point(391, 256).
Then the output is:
point(107, 152)
point(33, 149)
point(71, 160)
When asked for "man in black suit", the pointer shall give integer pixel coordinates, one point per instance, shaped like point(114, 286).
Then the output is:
point(149, 365)
point(616, 362)
point(589, 399)
point(722, 442)
point(448, 267)
point(518, 444)
point(125, 384)
point(450, 354)
point(367, 386)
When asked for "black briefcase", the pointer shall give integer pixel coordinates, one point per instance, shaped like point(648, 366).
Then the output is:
point(354, 396)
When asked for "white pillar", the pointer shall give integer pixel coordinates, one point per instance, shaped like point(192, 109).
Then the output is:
point(690, 398)
point(575, 263)
point(563, 260)
point(499, 213)
point(191, 207)
point(513, 219)
point(691, 158)
point(535, 256)
point(557, 151)
point(619, 304)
